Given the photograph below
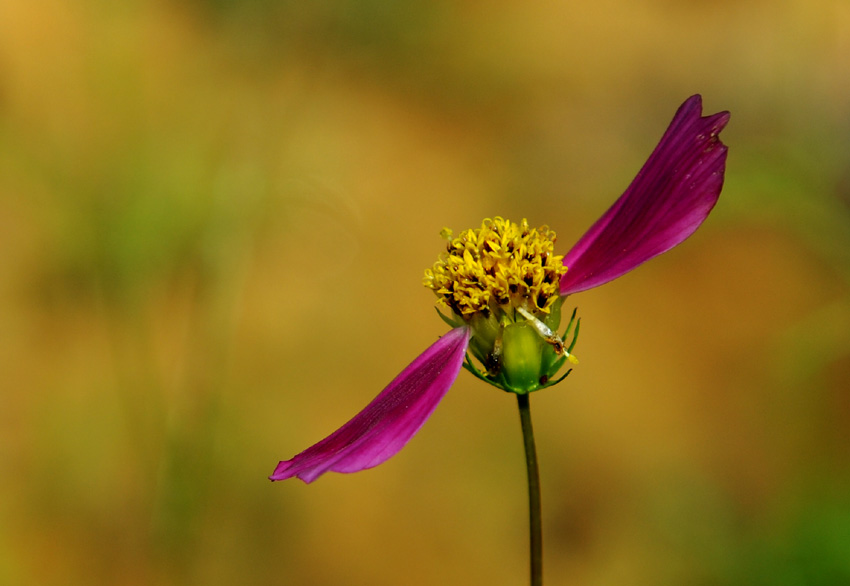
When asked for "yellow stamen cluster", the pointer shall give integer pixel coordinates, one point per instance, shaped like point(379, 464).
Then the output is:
point(498, 267)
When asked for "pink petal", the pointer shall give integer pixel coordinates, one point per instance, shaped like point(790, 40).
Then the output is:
point(383, 428)
point(667, 201)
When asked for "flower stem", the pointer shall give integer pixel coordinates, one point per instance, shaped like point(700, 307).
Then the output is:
point(535, 525)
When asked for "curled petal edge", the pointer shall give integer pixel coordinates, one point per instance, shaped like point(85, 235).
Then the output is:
point(667, 201)
point(386, 424)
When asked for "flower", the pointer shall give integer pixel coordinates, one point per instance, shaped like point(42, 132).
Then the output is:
point(504, 287)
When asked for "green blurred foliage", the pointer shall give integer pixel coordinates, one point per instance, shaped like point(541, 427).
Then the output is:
point(213, 222)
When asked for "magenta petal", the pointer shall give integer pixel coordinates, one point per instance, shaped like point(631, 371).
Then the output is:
point(383, 428)
point(668, 200)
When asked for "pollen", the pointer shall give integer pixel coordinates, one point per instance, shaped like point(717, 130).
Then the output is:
point(497, 269)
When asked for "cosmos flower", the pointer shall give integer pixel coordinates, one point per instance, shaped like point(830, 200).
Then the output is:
point(502, 287)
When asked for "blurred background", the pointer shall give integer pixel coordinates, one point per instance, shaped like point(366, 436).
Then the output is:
point(214, 218)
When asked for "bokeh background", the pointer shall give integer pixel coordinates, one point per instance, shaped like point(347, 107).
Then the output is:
point(214, 218)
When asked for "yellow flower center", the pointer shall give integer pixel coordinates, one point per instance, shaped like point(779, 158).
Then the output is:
point(498, 269)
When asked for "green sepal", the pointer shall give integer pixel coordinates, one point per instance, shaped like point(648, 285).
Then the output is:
point(449, 321)
point(555, 382)
point(570, 324)
point(497, 381)
point(471, 368)
point(575, 336)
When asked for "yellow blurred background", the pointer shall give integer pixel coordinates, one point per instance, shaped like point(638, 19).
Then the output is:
point(214, 218)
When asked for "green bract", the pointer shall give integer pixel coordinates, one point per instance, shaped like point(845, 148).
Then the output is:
point(519, 360)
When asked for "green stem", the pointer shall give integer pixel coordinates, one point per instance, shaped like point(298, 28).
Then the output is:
point(535, 525)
